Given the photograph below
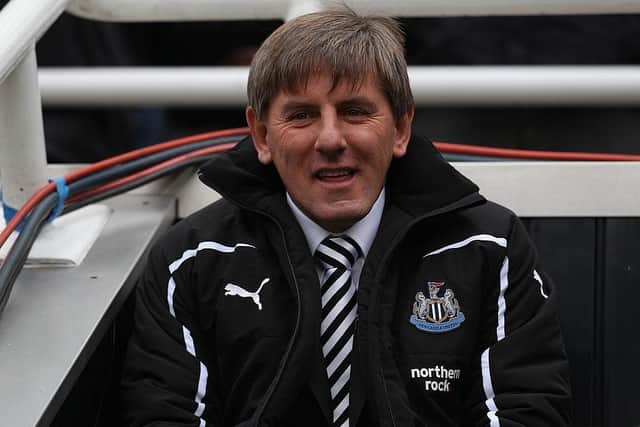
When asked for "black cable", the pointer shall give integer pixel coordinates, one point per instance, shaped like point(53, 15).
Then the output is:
point(195, 161)
point(475, 158)
point(124, 169)
point(18, 254)
point(19, 251)
point(132, 185)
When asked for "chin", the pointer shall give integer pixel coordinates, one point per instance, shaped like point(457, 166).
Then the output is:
point(341, 219)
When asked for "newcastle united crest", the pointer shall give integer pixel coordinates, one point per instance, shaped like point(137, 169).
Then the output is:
point(438, 313)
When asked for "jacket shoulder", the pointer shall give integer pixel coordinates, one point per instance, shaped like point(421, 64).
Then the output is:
point(492, 215)
point(220, 222)
point(486, 218)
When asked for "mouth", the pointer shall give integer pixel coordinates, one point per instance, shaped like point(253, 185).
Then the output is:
point(335, 174)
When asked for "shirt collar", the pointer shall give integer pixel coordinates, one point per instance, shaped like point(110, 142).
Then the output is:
point(363, 231)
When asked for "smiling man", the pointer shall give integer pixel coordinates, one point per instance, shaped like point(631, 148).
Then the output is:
point(350, 276)
point(332, 143)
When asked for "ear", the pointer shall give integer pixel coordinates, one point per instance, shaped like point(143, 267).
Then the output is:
point(259, 135)
point(403, 133)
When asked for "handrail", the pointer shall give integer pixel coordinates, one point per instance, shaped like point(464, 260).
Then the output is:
point(442, 86)
point(198, 10)
point(22, 22)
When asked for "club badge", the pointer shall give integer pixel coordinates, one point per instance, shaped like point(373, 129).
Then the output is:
point(437, 313)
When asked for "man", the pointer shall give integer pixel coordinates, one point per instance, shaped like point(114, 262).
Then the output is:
point(301, 297)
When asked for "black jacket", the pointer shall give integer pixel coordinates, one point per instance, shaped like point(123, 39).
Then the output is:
point(455, 324)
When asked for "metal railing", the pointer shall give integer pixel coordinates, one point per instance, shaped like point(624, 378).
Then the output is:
point(198, 10)
point(22, 22)
point(442, 86)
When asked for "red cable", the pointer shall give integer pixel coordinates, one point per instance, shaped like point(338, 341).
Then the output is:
point(107, 163)
point(203, 152)
point(441, 146)
point(141, 152)
point(474, 150)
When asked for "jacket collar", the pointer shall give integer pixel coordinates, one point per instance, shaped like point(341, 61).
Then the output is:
point(420, 183)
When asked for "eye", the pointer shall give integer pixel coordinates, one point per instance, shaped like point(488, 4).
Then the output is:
point(299, 115)
point(355, 112)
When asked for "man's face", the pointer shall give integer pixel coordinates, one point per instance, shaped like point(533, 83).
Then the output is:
point(332, 148)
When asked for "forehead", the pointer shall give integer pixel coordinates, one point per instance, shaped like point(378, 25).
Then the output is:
point(326, 85)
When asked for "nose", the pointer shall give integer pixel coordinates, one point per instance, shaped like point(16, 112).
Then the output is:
point(330, 139)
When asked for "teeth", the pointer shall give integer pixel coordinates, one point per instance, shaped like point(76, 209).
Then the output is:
point(334, 173)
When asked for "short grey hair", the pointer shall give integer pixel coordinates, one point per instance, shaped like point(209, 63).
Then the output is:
point(348, 46)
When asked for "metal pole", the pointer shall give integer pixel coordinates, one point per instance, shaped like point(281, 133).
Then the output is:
point(22, 22)
point(198, 10)
point(22, 150)
point(438, 86)
point(301, 7)
point(526, 86)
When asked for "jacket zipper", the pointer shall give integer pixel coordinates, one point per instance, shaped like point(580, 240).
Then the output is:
point(392, 247)
point(285, 357)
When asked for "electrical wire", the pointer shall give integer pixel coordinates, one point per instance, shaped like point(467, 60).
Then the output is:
point(16, 257)
point(203, 148)
point(122, 173)
point(454, 149)
point(468, 158)
point(108, 193)
point(142, 177)
point(18, 254)
point(108, 163)
point(508, 153)
point(124, 170)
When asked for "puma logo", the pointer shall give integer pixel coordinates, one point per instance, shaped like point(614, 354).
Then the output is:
point(235, 290)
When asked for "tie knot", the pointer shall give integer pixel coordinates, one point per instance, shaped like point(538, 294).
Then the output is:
point(338, 251)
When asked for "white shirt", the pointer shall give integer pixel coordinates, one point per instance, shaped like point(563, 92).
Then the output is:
point(363, 232)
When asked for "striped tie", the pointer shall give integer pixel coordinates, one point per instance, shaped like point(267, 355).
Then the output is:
point(336, 255)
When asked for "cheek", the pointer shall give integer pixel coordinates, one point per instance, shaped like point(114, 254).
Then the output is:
point(281, 156)
point(383, 154)
point(274, 145)
point(287, 161)
point(291, 150)
point(374, 142)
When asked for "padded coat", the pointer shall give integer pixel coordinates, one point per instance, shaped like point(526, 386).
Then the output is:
point(456, 322)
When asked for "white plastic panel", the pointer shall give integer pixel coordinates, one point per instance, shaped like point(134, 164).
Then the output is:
point(530, 189)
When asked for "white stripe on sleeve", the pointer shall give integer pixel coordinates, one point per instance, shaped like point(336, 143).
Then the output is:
point(186, 333)
point(219, 247)
point(488, 390)
point(171, 288)
point(502, 303)
point(500, 241)
point(502, 308)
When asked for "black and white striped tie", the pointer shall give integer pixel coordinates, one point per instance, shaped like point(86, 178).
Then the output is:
point(337, 254)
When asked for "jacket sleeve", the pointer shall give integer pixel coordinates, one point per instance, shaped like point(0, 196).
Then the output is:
point(521, 376)
point(164, 378)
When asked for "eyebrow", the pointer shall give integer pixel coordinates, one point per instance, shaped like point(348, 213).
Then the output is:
point(295, 105)
point(356, 100)
point(359, 100)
